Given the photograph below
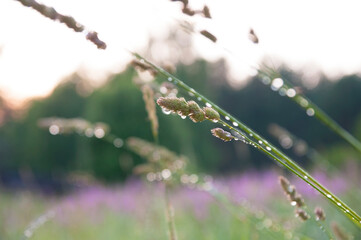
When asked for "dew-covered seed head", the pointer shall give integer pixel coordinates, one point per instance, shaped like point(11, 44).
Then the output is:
point(221, 134)
point(174, 104)
point(298, 199)
point(285, 184)
point(302, 214)
point(211, 114)
point(320, 214)
point(196, 114)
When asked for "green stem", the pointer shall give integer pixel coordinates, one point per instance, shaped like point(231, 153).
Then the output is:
point(306, 104)
point(169, 215)
point(262, 145)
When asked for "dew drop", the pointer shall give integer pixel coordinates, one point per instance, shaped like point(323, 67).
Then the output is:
point(163, 90)
point(303, 102)
point(183, 116)
point(282, 92)
point(227, 118)
point(118, 143)
point(166, 111)
point(170, 79)
point(338, 204)
point(277, 83)
point(235, 124)
point(251, 135)
point(329, 196)
point(208, 105)
point(89, 132)
point(268, 148)
point(310, 112)
point(191, 94)
point(266, 80)
point(166, 173)
point(305, 177)
point(215, 120)
point(293, 203)
point(99, 132)
point(54, 129)
point(260, 142)
point(291, 92)
point(199, 98)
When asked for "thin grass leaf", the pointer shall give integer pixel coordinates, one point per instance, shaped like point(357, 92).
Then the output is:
point(311, 108)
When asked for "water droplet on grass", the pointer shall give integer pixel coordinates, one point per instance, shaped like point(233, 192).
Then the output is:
point(166, 173)
point(291, 92)
point(199, 98)
point(268, 148)
point(277, 83)
point(170, 79)
point(329, 196)
point(266, 80)
point(282, 92)
point(227, 118)
point(183, 116)
point(163, 90)
point(99, 133)
point(310, 112)
point(208, 105)
point(166, 111)
point(303, 102)
point(305, 177)
point(54, 129)
point(235, 124)
point(89, 132)
point(118, 143)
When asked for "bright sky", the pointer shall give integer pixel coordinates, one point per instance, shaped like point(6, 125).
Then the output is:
point(36, 53)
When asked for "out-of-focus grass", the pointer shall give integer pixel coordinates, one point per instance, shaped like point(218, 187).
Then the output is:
point(136, 211)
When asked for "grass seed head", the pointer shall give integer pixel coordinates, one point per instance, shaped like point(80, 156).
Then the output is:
point(174, 104)
point(221, 134)
point(320, 214)
point(196, 114)
point(209, 35)
point(211, 114)
point(302, 214)
point(206, 12)
point(253, 37)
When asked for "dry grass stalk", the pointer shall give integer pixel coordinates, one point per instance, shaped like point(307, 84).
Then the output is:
point(69, 21)
point(148, 96)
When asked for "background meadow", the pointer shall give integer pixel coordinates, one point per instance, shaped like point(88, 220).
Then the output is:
point(71, 169)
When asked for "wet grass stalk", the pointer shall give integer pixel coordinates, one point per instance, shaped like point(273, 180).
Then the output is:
point(269, 75)
point(248, 136)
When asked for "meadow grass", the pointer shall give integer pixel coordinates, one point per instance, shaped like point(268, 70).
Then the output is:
point(135, 210)
point(112, 213)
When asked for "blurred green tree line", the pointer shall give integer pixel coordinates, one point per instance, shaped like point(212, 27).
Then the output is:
point(119, 103)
